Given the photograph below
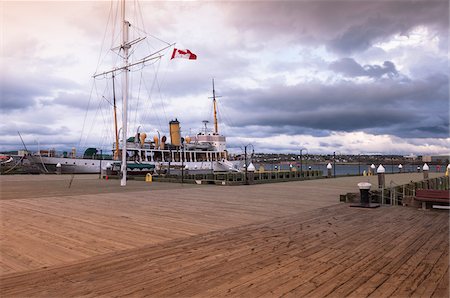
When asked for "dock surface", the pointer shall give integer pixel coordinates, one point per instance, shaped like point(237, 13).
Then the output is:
point(161, 239)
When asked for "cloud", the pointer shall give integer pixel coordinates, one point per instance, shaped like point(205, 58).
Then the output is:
point(351, 68)
point(344, 143)
point(326, 73)
point(344, 26)
point(394, 107)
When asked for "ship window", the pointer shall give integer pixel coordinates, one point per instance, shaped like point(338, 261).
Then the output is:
point(73, 163)
point(66, 162)
point(85, 163)
point(92, 163)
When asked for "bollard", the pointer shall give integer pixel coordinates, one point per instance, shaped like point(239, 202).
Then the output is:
point(58, 169)
point(447, 170)
point(380, 172)
point(329, 167)
point(364, 188)
point(425, 169)
point(148, 178)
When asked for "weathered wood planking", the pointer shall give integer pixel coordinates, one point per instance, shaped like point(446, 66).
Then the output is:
point(50, 230)
point(334, 251)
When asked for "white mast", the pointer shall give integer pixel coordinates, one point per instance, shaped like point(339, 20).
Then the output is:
point(125, 46)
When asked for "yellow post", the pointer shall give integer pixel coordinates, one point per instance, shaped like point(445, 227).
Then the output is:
point(148, 178)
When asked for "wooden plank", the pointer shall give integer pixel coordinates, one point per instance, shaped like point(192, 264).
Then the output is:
point(225, 241)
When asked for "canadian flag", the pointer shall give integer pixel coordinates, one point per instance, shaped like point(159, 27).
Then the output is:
point(186, 54)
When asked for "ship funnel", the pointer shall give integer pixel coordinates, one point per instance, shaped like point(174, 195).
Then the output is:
point(142, 137)
point(175, 138)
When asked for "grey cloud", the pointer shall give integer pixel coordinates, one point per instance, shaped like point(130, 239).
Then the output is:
point(344, 26)
point(351, 68)
point(24, 92)
point(30, 129)
point(76, 100)
point(387, 107)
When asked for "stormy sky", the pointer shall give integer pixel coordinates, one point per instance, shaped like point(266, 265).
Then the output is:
point(330, 76)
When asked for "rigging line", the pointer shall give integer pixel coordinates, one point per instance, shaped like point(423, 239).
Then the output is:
point(143, 26)
point(106, 119)
point(158, 84)
point(87, 110)
point(138, 99)
point(151, 35)
point(151, 103)
point(100, 58)
point(161, 99)
point(95, 116)
point(114, 39)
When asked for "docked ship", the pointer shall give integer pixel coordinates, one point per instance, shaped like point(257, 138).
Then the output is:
point(205, 150)
point(140, 154)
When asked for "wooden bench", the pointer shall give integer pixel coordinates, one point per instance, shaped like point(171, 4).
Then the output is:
point(432, 196)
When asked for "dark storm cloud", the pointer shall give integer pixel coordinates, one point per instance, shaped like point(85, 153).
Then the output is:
point(351, 68)
point(344, 26)
point(387, 107)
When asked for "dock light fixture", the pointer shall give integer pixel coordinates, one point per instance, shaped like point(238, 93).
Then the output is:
point(245, 160)
point(334, 164)
point(301, 160)
point(380, 171)
point(329, 167)
point(400, 167)
point(425, 169)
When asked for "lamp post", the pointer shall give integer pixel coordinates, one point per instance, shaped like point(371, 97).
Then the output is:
point(334, 164)
point(101, 157)
point(170, 159)
point(245, 161)
point(359, 164)
point(182, 163)
point(301, 160)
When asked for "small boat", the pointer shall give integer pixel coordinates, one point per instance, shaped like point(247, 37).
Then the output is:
point(5, 159)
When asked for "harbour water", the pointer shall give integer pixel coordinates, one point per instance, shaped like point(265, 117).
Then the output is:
point(353, 169)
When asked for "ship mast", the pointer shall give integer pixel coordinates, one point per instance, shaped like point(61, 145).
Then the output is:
point(125, 47)
point(116, 152)
point(125, 68)
point(216, 126)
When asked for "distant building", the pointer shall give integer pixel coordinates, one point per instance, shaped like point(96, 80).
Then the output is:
point(411, 156)
point(22, 152)
point(439, 159)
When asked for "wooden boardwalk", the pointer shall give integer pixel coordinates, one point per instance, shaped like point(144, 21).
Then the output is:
point(264, 240)
point(336, 251)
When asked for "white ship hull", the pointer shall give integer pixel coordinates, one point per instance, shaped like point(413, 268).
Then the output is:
point(92, 166)
point(69, 165)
